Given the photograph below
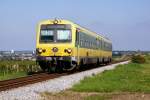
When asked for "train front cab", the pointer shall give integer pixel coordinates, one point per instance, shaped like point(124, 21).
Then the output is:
point(55, 45)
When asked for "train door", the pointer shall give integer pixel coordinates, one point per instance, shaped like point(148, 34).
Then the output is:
point(77, 46)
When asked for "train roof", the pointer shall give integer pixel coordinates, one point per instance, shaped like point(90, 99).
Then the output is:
point(77, 26)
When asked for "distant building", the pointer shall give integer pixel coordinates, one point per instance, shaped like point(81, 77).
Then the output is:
point(12, 51)
point(17, 55)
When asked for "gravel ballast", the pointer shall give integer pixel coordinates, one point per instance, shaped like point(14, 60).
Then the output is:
point(32, 92)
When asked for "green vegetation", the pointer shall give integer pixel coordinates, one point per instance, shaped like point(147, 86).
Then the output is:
point(13, 69)
point(116, 57)
point(12, 75)
point(121, 58)
point(132, 77)
point(138, 59)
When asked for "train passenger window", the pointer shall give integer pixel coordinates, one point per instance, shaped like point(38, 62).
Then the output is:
point(86, 43)
point(81, 43)
point(102, 45)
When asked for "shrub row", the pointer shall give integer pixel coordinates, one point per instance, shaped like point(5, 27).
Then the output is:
point(7, 67)
point(138, 59)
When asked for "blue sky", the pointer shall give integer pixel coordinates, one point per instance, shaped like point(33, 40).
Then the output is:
point(125, 22)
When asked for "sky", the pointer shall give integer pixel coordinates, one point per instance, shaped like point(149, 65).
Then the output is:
point(125, 22)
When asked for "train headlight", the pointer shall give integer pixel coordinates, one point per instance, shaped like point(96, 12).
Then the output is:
point(69, 50)
point(39, 50)
point(55, 21)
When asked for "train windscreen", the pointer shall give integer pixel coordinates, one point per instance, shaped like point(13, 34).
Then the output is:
point(55, 33)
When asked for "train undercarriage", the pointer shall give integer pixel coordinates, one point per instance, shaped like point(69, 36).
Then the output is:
point(61, 64)
point(56, 64)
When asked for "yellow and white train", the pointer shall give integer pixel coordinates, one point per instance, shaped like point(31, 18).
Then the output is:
point(64, 45)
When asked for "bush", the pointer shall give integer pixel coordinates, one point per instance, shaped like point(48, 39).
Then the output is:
point(138, 59)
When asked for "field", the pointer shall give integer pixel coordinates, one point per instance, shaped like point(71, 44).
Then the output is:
point(126, 78)
point(13, 69)
point(126, 82)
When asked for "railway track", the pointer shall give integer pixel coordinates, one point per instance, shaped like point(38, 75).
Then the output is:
point(35, 78)
point(22, 81)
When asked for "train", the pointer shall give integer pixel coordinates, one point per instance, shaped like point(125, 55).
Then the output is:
point(62, 45)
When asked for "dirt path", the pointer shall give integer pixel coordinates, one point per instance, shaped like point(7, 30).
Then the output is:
point(70, 95)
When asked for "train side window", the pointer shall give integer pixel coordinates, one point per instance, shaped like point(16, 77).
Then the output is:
point(104, 45)
point(100, 44)
point(111, 47)
point(81, 39)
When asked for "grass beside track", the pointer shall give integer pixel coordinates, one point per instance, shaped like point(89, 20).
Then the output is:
point(10, 69)
point(131, 77)
point(12, 75)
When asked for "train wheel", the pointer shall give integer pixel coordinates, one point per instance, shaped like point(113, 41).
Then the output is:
point(68, 67)
point(43, 66)
point(77, 67)
point(52, 69)
point(59, 67)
